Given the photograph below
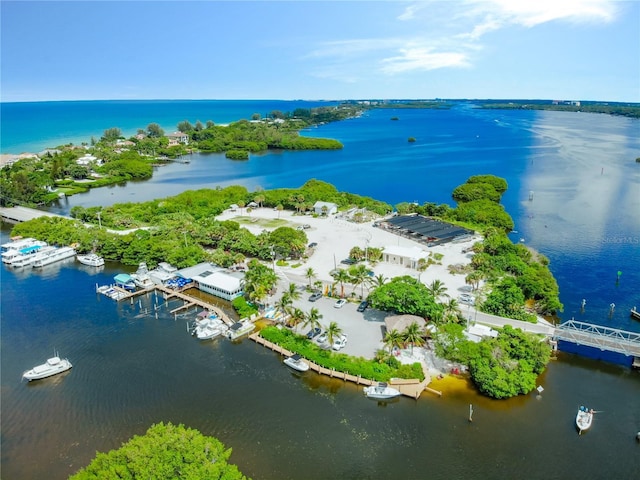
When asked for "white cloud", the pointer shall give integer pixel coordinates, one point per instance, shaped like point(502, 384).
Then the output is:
point(447, 34)
point(423, 59)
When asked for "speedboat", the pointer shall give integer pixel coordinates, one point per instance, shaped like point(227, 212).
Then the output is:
point(210, 328)
point(584, 418)
point(91, 259)
point(381, 391)
point(52, 366)
point(295, 362)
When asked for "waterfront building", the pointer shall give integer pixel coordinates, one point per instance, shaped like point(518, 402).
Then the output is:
point(215, 280)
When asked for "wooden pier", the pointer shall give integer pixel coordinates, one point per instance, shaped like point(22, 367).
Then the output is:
point(409, 387)
point(168, 294)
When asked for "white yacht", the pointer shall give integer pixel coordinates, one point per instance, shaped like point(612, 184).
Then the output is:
point(53, 256)
point(295, 362)
point(11, 254)
point(142, 278)
point(28, 259)
point(52, 366)
point(210, 328)
point(91, 259)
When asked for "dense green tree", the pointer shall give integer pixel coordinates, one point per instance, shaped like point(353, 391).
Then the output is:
point(154, 130)
point(475, 191)
point(405, 295)
point(498, 183)
point(111, 134)
point(164, 451)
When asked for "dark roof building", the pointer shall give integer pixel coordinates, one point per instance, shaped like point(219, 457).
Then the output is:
point(425, 230)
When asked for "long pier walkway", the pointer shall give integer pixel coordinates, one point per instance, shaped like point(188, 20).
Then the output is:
point(408, 387)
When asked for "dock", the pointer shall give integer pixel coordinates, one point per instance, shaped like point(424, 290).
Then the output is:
point(408, 387)
point(167, 293)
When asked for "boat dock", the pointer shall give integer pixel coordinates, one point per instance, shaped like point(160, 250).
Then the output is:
point(120, 294)
point(408, 387)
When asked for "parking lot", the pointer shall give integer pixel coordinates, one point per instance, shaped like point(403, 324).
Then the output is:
point(364, 330)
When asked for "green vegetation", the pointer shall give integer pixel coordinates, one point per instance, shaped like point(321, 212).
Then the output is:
point(631, 110)
point(243, 308)
point(500, 367)
point(406, 295)
point(371, 369)
point(165, 451)
point(114, 159)
point(412, 139)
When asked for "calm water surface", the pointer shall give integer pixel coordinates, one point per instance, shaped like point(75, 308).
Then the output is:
point(132, 369)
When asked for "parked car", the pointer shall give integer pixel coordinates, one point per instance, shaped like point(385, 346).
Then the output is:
point(340, 303)
point(349, 261)
point(340, 342)
point(322, 338)
point(363, 306)
point(466, 298)
point(313, 245)
point(314, 332)
point(306, 225)
point(315, 296)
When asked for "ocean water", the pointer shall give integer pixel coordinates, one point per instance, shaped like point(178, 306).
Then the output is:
point(34, 126)
point(132, 369)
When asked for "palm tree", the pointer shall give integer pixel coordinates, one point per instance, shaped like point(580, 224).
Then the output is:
point(296, 316)
point(451, 309)
point(413, 335)
point(310, 274)
point(379, 280)
point(333, 332)
point(293, 292)
point(359, 276)
point(342, 277)
point(437, 289)
point(259, 199)
point(284, 303)
point(393, 339)
point(383, 356)
point(312, 319)
point(474, 279)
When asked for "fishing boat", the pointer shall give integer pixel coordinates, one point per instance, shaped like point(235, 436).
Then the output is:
point(142, 278)
point(124, 280)
point(381, 391)
point(584, 418)
point(91, 259)
point(52, 366)
point(210, 328)
point(635, 313)
point(295, 362)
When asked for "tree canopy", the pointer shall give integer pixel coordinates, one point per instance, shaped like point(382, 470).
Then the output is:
point(406, 295)
point(164, 452)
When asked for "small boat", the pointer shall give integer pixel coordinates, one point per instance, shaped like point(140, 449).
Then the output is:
point(52, 366)
point(381, 391)
point(295, 362)
point(584, 418)
point(635, 313)
point(239, 329)
point(210, 328)
point(91, 259)
point(124, 280)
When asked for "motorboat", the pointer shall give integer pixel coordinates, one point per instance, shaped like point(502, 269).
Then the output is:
point(91, 259)
point(381, 391)
point(295, 361)
point(124, 280)
point(14, 256)
point(239, 329)
point(53, 256)
point(52, 366)
point(142, 278)
point(209, 328)
point(27, 260)
point(584, 418)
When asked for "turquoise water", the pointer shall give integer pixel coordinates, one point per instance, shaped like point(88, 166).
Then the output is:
point(131, 369)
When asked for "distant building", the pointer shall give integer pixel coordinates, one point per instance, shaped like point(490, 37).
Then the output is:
point(325, 208)
point(476, 333)
point(176, 138)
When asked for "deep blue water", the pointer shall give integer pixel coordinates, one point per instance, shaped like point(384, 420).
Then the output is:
point(579, 169)
point(131, 369)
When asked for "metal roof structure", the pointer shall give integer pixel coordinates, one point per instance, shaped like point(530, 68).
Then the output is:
point(425, 229)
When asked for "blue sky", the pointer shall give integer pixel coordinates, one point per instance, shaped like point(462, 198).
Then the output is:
point(546, 49)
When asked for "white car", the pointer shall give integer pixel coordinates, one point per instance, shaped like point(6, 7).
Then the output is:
point(322, 338)
point(340, 342)
point(466, 298)
point(340, 303)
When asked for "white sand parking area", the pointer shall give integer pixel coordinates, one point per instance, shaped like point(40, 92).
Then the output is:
point(335, 238)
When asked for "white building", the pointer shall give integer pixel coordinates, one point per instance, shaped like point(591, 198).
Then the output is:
point(325, 208)
point(475, 333)
point(406, 256)
point(215, 280)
